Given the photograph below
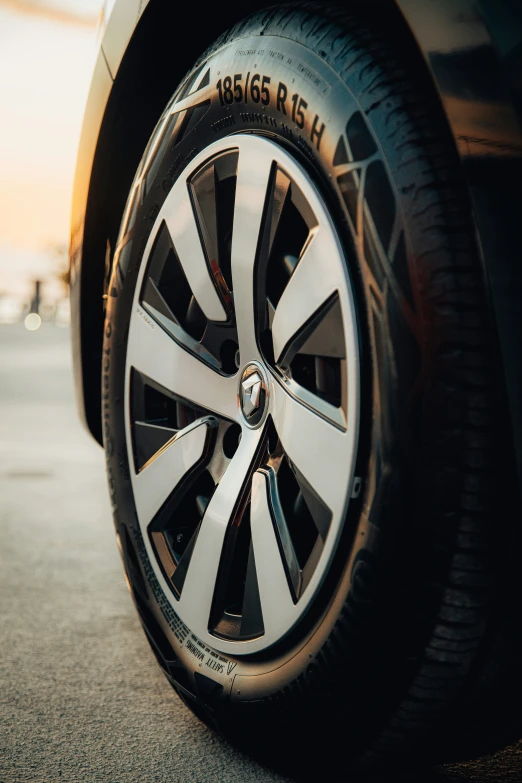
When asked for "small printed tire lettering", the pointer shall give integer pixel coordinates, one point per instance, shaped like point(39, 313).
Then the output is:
point(257, 89)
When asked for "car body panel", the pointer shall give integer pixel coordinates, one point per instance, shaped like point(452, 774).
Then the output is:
point(121, 20)
point(474, 51)
point(98, 96)
point(101, 86)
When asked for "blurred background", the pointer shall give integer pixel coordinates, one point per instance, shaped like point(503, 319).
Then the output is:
point(47, 50)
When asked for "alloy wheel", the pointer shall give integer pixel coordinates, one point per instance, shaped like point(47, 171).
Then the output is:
point(242, 394)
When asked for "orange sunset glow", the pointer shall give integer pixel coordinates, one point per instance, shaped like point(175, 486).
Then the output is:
point(47, 51)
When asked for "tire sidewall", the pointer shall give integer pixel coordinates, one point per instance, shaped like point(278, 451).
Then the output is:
point(366, 583)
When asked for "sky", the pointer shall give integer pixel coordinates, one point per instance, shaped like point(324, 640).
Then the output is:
point(47, 53)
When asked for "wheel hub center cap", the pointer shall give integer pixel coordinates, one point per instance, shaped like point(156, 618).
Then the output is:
point(253, 394)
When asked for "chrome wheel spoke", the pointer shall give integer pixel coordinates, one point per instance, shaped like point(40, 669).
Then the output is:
point(155, 354)
point(181, 221)
point(312, 283)
point(160, 476)
point(202, 574)
point(277, 605)
point(314, 445)
point(251, 188)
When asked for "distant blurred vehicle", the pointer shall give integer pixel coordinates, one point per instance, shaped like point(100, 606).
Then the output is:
point(47, 311)
point(62, 315)
point(11, 309)
point(296, 285)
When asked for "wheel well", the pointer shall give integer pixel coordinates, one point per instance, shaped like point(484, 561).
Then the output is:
point(158, 56)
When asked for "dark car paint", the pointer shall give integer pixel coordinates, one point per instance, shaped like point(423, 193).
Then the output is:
point(475, 54)
point(474, 50)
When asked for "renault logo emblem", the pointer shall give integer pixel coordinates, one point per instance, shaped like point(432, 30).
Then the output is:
point(253, 394)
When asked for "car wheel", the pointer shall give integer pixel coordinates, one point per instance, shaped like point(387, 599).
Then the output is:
point(303, 411)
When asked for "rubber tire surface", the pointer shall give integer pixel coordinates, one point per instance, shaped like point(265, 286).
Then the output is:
point(411, 649)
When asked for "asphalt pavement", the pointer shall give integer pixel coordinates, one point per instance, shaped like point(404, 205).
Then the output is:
point(82, 699)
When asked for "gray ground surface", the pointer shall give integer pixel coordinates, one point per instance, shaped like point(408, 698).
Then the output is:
point(81, 697)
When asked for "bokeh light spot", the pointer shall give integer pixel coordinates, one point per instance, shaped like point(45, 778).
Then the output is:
point(32, 322)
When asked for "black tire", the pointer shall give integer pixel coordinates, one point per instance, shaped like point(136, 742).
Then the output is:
point(410, 650)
